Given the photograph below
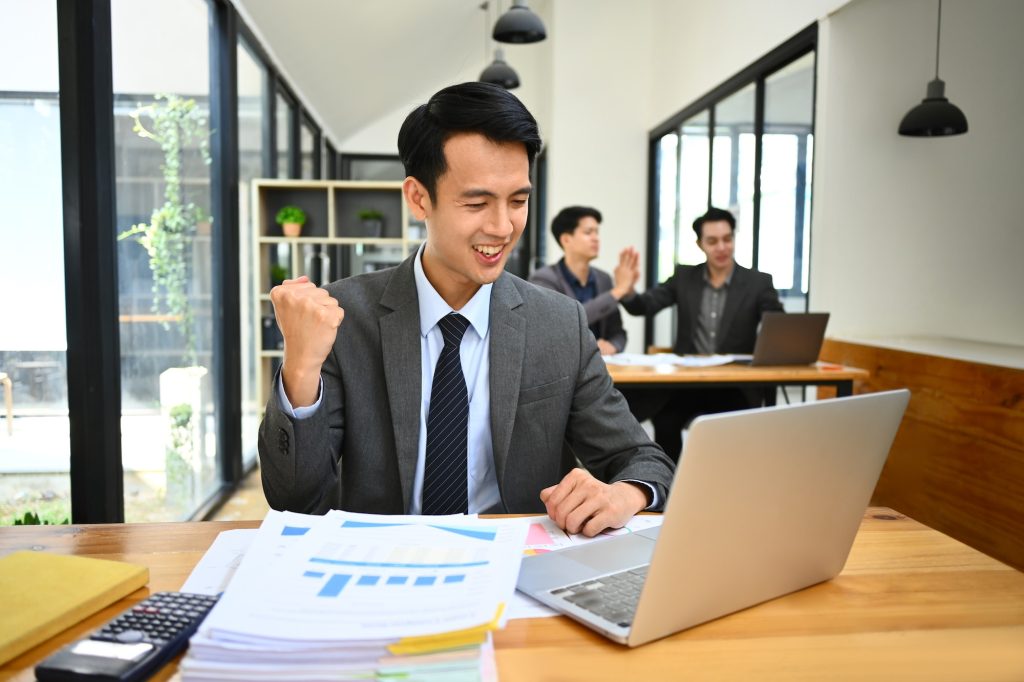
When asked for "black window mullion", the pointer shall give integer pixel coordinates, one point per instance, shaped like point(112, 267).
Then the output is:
point(294, 141)
point(758, 135)
point(90, 260)
point(711, 154)
point(801, 197)
point(270, 124)
point(225, 239)
point(332, 161)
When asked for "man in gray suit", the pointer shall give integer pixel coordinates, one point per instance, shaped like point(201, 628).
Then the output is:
point(446, 384)
point(576, 228)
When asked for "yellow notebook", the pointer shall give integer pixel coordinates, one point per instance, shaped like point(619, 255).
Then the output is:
point(43, 594)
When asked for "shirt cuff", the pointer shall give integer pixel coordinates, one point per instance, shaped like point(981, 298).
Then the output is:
point(655, 502)
point(298, 412)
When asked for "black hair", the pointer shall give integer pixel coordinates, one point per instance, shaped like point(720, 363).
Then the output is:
point(483, 108)
point(569, 217)
point(712, 216)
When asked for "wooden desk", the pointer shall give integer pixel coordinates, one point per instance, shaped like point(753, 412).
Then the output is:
point(742, 376)
point(911, 604)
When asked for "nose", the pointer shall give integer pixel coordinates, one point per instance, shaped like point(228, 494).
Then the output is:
point(500, 223)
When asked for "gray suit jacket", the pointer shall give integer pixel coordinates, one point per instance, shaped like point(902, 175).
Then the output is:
point(602, 310)
point(551, 401)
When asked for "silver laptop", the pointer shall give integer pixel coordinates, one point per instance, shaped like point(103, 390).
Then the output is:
point(764, 502)
point(788, 339)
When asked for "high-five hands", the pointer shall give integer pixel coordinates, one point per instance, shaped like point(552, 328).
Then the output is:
point(582, 504)
point(627, 273)
point(309, 319)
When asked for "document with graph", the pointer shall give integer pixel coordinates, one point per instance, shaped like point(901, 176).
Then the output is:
point(364, 577)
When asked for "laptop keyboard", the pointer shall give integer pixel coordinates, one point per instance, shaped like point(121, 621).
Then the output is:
point(612, 597)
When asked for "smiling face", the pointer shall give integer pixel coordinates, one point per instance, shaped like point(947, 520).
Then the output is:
point(476, 217)
point(716, 241)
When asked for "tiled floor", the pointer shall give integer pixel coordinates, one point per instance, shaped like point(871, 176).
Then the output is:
point(248, 502)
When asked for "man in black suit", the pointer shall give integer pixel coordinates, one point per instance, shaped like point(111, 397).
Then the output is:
point(577, 230)
point(719, 305)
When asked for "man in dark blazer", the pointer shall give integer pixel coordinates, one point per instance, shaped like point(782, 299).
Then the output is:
point(719, 304)
point(523, 393)
point(576, 228)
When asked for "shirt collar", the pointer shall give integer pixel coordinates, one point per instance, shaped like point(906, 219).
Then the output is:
point(433, 307)
point(571, 277)
point(728, 280)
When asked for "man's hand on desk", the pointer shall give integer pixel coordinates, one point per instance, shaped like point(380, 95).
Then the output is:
point(606, 347)
point(309, 319)
point(582, 504)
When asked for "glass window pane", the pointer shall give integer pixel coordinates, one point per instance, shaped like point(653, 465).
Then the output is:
point(668, 167)
point(34, 433)
point(693, 186)
point(161, 145)
point(733, 167)
point(785, 178)
point(283, 116)
point(252, 102)
point(306, 138)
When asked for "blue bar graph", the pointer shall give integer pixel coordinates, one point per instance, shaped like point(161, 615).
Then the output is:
point(397, 580)
point(454, 578)
point(425, 580)
point(294, 530)
point(368, 580)
point(335, 584)
point(313, 574)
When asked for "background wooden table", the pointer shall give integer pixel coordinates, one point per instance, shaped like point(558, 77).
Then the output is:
point(911, 604)
point(732, 375)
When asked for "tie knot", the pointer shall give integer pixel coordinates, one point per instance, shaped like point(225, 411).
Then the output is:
point(453, 326)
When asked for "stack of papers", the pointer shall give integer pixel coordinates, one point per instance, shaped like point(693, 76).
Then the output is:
point(356, 596)
point(656, 359)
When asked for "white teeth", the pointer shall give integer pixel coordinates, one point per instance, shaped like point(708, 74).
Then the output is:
point(488, 250)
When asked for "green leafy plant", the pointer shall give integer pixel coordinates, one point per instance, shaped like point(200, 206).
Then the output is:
point(278, 273)
point(179, 453)
point(31, 518)
point(291, 214)
point(370, 214)
point(175, 124)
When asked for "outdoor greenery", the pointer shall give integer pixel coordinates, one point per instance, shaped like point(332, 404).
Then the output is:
point(176, 124)
point(178, 457)
point(291, 214)
point(278, 274)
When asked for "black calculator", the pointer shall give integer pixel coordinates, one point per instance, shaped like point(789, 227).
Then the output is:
point(135, 644)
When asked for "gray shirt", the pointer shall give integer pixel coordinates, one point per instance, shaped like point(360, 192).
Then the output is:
point(712, 303)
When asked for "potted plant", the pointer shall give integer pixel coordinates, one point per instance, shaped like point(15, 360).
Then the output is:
point(373, 222)
point(291, 219)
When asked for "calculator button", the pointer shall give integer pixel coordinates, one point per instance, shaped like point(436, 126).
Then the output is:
point(130, 636)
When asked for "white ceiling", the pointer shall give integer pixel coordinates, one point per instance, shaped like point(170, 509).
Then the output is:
point(355, 61)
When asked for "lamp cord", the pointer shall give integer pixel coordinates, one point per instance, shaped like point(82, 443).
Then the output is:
point(938, 37)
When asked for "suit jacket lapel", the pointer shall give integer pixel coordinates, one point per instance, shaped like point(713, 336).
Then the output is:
point(737, 292)
point(400, 353)
point(508, 344)
point(694, 290)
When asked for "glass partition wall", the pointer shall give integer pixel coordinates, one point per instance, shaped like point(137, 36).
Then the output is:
point(747, 147)
point(191, 129)
point(34, 428)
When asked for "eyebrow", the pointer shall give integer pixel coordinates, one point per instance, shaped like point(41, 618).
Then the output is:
point(479, 192)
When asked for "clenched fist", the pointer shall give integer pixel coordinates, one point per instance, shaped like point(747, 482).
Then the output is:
point(309, 319)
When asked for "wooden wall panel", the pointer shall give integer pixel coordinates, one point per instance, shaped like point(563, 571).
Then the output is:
point(957, 464)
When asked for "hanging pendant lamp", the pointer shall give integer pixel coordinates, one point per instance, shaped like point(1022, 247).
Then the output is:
point(935, 116)
point(519, 25)
point(500, 73)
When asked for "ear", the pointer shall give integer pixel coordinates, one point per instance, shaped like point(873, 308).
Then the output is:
point(417, 198)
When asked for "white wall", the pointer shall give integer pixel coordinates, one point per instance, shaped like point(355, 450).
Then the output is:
point(920, 236)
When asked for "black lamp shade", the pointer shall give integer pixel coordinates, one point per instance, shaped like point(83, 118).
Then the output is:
point(500, 73)
point(936, 116)
point(519, 25)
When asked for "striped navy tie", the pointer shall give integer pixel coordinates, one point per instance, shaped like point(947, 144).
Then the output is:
point(444, 480)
